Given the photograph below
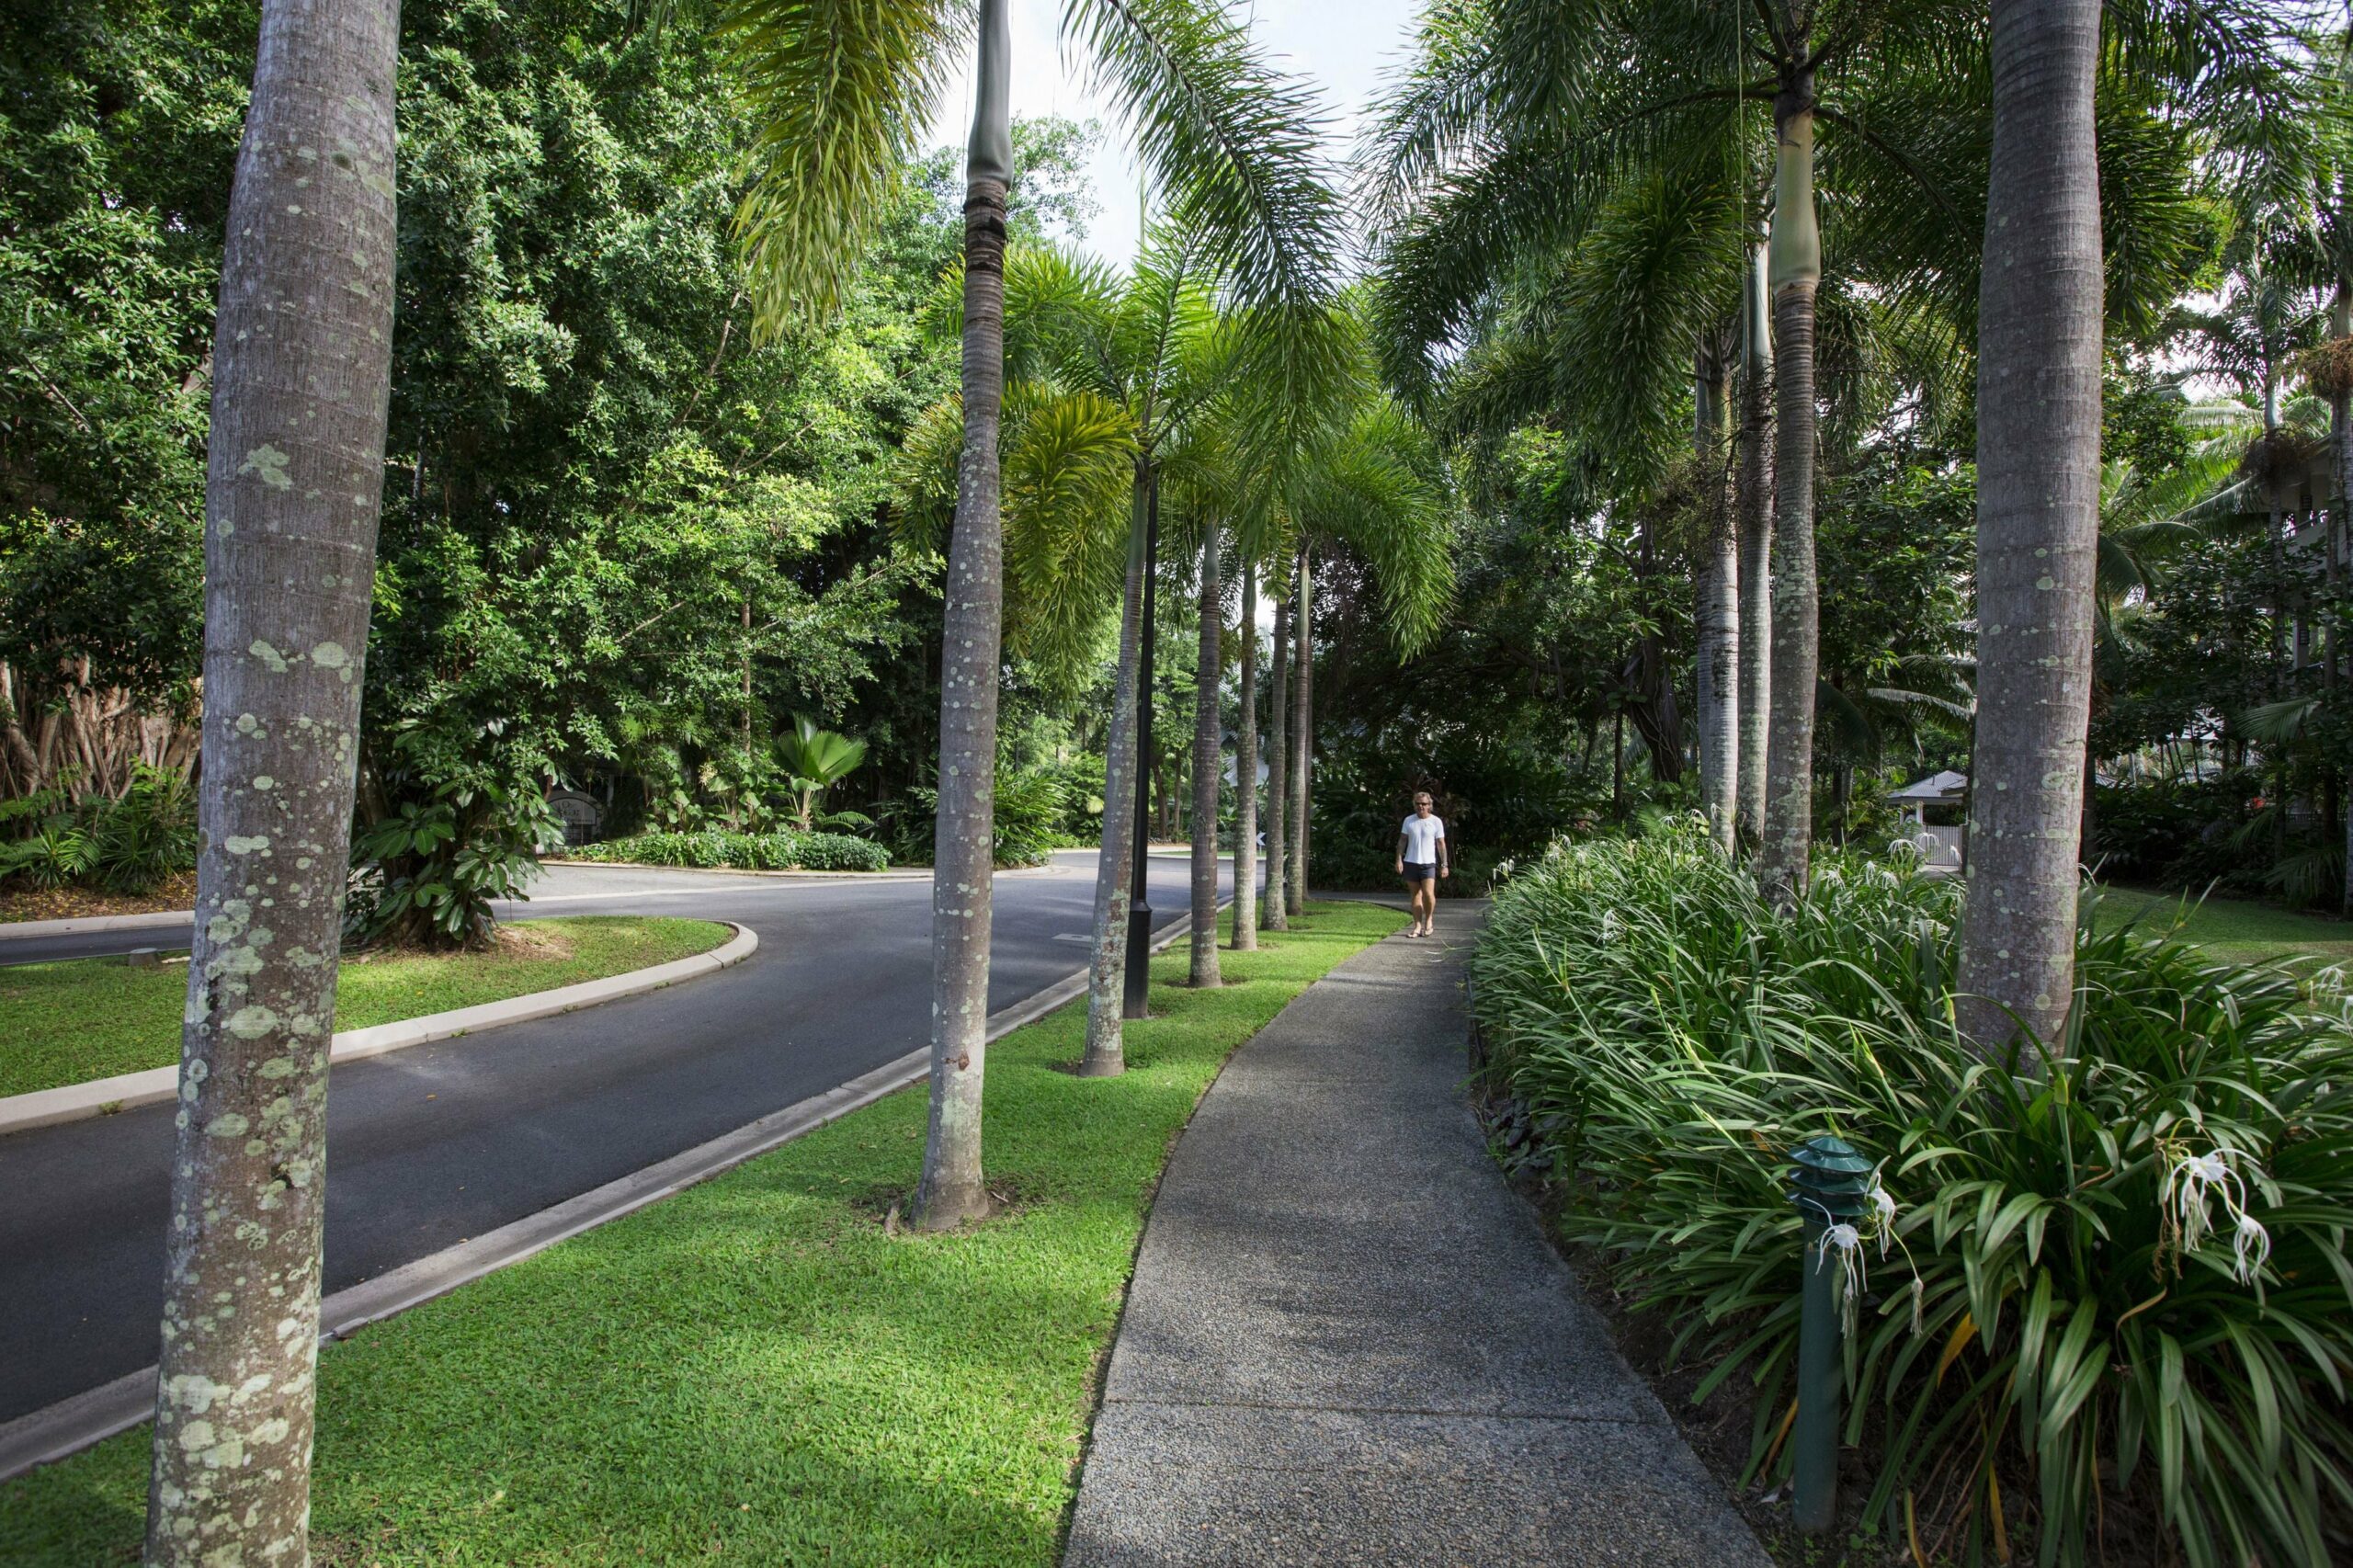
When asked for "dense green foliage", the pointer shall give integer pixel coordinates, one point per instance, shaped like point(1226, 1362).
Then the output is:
point(711, 846)
point(756, 1362)
point(2122, 1282)
point(124, 846)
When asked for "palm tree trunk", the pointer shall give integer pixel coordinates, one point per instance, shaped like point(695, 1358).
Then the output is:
point(1303, 729)
point(2340, 443)
point(1277, 912)
point(1755, 550)
point(2037, 517)
point(1106, 969)
point(1246, 773)
point(1208, 672)
point(1796, 271)
point(1718, 613)
point(296, 460)
point(964, 856)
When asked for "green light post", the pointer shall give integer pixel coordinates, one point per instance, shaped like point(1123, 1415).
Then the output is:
point(1828, 1186)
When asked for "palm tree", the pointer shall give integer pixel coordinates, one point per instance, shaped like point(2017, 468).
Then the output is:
point(816, 760)
point(1793, 275)
point(839, 93)
point(1514, 136)
point(1209, 731)
point(2040, 327)
point(1277, 908)
point(1755, 503)
point(1246, 771)
point(297, 454)
point(1718, 600)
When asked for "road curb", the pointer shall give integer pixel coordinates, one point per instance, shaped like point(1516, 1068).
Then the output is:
point(61, 1430)
point(85, 924)
point(888, 874)
point(101, 1097)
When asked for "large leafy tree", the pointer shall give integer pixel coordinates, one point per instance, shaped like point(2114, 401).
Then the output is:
point(119, 127)
point(838, 94)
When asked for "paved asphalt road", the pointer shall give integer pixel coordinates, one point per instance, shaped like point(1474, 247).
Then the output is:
point(432, 1145)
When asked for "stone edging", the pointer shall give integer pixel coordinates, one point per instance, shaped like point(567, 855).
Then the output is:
point(83, 924)
point(58, 1431)
point(46, 1108)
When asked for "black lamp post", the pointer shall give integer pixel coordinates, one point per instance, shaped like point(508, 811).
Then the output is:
point(1134, 1002)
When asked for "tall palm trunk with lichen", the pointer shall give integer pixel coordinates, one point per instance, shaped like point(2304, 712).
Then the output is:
point(1719, 610)
point(1277, 912)
point(294, 483)
point(1756, 546)
point(1106, 969)
point(1302, 730)
point(2040, 323)
point(1246, 771)
point(963, 860)
point(1794, 274)
point(1209, 678)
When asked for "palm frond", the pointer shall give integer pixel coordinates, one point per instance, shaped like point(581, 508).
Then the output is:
point(1234, 144)
point(840, 93)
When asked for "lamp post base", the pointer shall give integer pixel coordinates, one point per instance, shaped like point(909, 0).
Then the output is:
point(1136, 1004)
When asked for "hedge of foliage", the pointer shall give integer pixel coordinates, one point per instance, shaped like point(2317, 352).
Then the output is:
point(2112, 1295)
point(712, 847)
point(125, 846)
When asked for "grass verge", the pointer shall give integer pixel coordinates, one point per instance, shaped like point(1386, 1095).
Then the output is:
point(67, 1023)
point(2238, 930)
point(753, 1371)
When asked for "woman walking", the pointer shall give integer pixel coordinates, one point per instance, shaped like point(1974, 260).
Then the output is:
point(1421, 860)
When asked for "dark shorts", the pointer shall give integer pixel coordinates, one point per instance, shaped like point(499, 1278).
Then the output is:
point(1419, 870)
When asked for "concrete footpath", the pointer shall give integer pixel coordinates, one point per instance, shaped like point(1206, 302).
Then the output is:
point(1347, 1340)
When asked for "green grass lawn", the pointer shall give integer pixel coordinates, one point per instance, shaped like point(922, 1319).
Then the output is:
point(753, 1371)
point(67, 1023)
point(2239, 930)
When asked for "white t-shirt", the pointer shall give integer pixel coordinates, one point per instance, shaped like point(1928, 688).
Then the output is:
point(1422, 835)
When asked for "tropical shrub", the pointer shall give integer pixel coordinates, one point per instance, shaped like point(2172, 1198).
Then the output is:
point(711, 848)
point(2110, 1288)
point(426, 873)
point(147, 834)
point(814, 760)
point(124, 846)
point(1031, 804)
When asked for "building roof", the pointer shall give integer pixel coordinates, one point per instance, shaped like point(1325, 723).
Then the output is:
point(1945, 786)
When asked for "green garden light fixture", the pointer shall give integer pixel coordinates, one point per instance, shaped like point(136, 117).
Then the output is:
point(1830, 1185)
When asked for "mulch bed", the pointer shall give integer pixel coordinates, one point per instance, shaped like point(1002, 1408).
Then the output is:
point(82, 903)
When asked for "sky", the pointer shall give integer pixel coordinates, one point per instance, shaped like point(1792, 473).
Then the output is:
point(1345, 46)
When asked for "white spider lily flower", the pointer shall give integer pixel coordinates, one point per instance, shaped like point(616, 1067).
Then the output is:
point(2192, 1181)
point(1608, 926)
point(1848, 1241)
point(1883, 1215)
point(2250, 1248)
